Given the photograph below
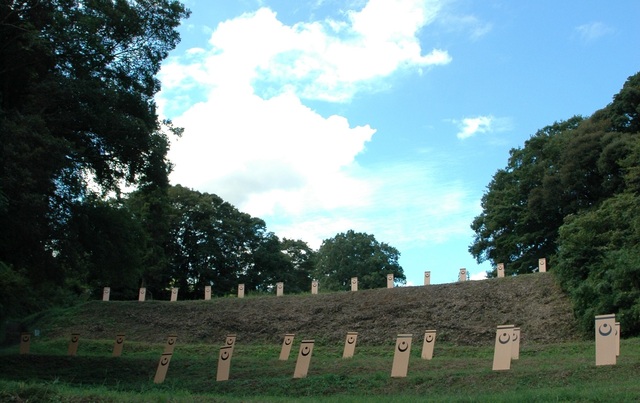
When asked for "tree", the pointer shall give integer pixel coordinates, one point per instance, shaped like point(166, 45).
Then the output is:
point(520, 209)
point(356, 254)
point(564, 169)
point(103, 248)
point(211, 243)
point(598, 261)
point(77, 115)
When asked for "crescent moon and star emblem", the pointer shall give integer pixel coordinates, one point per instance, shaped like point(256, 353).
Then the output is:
point(305, 351)
point(428, 338)
point(403, 346)
point(224, 355)
point(605, 329)
point(164, 361)
point(504, 340)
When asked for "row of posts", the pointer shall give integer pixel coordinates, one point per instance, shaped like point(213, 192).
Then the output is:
point(506, 349)
point(462, 276)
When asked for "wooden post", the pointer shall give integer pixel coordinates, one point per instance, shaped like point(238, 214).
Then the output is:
point(286, 347)
point(502, 349)
point(224, 363)
point(73, 344)
point(25, 343)
point(401, 356)
point(350, 345)
point(304, 359)
point(163, 367)
point(429, 344)
point(118, 345)
point(605, 339)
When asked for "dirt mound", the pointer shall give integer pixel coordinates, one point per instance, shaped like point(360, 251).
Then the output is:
point(464, 313)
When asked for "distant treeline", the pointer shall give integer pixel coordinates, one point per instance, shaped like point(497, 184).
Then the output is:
point(78, 124)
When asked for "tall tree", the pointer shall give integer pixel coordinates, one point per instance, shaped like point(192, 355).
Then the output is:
point(77, 115)
point(211, 243)
point(564, 169)
point(356, 254)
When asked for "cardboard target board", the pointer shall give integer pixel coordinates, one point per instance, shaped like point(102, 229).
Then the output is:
point(304, 359)
point(73, 344)
point(462, 276)
point(171, 344)
point(230, 341)
point(605, 339)
point(401, 356)
point(118, 345)
point(25, 343)
point(287, 343)
point(163, 367)
point(617, 339)
point(542, 265)
point(350, 345)
point(428, 344)
point(515, 344)
point(224, 363)
point(502, 348)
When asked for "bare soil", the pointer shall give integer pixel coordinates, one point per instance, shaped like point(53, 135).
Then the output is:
point(464, 313)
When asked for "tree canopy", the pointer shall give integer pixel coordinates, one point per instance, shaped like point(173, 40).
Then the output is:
point(77, 118)
point(570, 195)
point(356, 254)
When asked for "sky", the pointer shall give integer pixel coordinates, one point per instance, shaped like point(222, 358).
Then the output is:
point(388, 117)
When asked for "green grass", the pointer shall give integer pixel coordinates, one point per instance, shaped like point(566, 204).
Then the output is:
point(562, 372)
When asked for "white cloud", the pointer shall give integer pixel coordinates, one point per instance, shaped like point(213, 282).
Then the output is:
point(469, 127)
point(592, 31)
point(328, 60)
point(250, 139)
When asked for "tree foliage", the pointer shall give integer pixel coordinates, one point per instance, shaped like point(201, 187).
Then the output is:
point(565, 168)
point(571, 195)
point(356, 254)
point(209, 242)
point(599, 261)
point(77, 122)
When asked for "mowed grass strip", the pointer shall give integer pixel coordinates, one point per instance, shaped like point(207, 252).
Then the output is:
point(556, 372)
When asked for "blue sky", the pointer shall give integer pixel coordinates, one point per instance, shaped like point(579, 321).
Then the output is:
point(388, 117)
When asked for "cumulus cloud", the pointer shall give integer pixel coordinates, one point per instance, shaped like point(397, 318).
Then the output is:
point(249, 137)
point(469, 127)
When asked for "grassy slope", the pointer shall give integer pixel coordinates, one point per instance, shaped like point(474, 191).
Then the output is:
point(463, 314)
point(554, 364)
